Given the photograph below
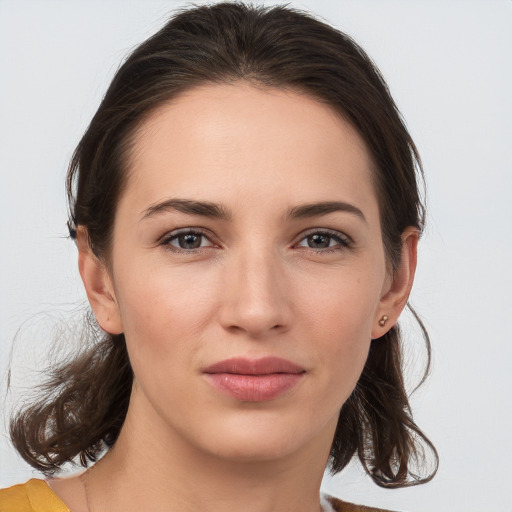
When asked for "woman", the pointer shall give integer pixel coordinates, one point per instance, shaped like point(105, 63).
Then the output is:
point(246, 212)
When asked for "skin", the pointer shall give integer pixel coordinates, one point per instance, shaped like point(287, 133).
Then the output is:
point(254, 288)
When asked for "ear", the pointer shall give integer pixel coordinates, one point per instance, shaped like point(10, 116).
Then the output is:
point(397, 286)
point(98, 285)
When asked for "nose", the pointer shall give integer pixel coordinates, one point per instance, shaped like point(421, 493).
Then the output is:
point(255, 296)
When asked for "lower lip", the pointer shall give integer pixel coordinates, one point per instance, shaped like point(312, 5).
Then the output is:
point(254, 388)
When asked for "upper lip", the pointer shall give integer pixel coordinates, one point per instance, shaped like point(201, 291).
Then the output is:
point(263, 366)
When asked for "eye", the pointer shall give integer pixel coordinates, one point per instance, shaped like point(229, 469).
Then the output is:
point(325, 241)
point(188, 240)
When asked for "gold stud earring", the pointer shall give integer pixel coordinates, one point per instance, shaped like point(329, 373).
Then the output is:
point(383, 320)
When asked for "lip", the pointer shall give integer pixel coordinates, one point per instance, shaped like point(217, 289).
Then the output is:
point(254, 380)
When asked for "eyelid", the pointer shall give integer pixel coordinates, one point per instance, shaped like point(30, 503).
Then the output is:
point(344, 240)
point(172, 235)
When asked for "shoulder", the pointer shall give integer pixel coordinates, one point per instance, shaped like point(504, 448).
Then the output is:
point(36, 496)
point(32, 496)
point(331, 504)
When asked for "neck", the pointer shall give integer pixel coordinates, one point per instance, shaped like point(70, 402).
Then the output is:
point(165, 473)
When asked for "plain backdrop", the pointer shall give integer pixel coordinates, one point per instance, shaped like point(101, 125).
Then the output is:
point(448, 65)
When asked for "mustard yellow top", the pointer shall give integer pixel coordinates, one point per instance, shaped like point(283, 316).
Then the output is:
point(32, 496)
point(36, 496)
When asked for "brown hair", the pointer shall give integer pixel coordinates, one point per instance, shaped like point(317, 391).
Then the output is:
point(275, 47)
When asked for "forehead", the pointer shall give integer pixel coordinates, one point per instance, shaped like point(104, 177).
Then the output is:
point(220, 142)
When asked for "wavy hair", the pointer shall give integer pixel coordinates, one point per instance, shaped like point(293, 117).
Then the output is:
point(277, 47)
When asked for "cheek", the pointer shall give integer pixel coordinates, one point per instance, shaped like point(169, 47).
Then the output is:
point(164, 313)
point(338, 317)
point(342, 305)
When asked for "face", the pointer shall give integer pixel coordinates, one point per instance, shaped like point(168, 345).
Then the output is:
point(247, 270)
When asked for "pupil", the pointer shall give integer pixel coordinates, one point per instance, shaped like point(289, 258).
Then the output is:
point(190, 241)
point(318, 241)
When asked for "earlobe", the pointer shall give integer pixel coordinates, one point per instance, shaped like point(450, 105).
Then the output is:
point(98, 285)
point(398, 286)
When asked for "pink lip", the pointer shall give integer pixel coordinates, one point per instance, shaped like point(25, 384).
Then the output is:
point(254, 380)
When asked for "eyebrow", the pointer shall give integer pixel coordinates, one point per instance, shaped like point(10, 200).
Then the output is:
point(217, 211)
point(323, 208)
point(203, 208)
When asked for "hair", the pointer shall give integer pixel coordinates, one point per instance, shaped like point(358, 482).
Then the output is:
point(276, 47)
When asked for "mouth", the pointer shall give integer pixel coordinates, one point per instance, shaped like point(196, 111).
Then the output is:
point(254, 380)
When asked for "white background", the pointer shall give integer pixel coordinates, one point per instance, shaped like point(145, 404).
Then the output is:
point(448, 64)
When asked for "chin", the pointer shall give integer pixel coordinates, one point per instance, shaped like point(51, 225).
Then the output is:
point(255, 449)
point(266, 437)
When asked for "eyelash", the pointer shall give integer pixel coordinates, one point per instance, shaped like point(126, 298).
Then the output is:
point(343, 241)
point(167, 239)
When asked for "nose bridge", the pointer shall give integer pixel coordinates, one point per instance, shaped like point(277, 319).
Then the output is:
point(255, 291)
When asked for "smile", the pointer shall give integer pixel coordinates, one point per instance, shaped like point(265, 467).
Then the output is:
point(254, 380)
